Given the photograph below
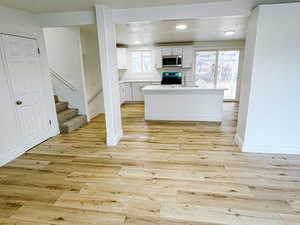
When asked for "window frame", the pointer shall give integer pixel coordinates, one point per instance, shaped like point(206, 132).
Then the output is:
point(142, 61)
point(217, 50)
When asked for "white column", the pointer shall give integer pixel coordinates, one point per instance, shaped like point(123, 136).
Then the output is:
point(109, 72)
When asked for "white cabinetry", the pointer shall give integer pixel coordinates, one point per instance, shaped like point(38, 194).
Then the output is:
point(158, 58)
point(137, 92)
point(187, 57)
point(122, 93)
point(172, 51)
point(122, 58)
point(132, 91)
point(125, 93)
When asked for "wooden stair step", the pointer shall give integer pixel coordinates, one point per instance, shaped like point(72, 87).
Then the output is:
point(73, 124)
point(66, 115)
point(61, 106)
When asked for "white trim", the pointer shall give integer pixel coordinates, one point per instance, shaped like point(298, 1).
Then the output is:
point(271, 149)
point(188, 11)
point(238, 140)
point(18, 151)
point(274, 149)
point(113, 141)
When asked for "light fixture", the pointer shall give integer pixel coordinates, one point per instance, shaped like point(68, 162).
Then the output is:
point(137, 42)
point(181, 27)
point(229, 32)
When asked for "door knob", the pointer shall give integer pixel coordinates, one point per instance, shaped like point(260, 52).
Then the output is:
point(19, 102)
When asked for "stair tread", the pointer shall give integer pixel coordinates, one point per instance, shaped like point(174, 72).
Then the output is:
point(61, 103)
point(66, 111)
point(70, 121)
point(61, 106)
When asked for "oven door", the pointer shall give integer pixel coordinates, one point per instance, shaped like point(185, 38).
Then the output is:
point(170, 61)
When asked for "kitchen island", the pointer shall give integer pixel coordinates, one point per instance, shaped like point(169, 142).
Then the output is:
point(183, 103)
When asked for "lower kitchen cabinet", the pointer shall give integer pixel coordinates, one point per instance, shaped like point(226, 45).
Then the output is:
point(137, 92)
point(132, 91)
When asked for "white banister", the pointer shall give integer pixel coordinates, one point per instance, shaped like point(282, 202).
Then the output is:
point(62, 80)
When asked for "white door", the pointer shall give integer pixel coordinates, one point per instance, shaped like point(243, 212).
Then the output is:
point(27, 85)
point(10, 129)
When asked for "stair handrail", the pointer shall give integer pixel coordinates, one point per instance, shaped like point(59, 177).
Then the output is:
point(61, 79)
point(95, 95)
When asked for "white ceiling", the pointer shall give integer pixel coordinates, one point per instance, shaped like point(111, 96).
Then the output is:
point(211, 29)
point(41, 6)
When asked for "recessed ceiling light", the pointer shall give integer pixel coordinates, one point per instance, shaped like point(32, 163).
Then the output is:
point(137, 42)
point(181, 27)
point(229, 32)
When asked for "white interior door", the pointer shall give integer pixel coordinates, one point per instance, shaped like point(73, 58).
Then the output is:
point(27, 84)
point(10, 129)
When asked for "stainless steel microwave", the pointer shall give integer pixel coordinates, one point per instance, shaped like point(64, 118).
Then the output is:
point(172, 61)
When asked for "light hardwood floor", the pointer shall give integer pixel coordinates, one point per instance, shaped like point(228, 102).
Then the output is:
point(162, 173)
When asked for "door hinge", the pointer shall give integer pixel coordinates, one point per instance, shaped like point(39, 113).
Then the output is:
point(50, 122)
point(39, 51)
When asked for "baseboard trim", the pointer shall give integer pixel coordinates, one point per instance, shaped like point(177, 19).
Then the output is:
point(113, 141)
point(6, 158)
point(18, 151)
point(272, 149)
point(239, 141)
point(267, 149)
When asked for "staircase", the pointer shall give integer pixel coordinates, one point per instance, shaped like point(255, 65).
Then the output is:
point(68, 119)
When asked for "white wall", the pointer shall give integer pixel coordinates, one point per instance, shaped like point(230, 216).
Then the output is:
point(271, 120)
point(92, 73)
point(65, 58)
point(17, 22)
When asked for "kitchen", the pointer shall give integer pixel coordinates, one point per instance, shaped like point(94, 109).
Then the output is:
point(161, 67)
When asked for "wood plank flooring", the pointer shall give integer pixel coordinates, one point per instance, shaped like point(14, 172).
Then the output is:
point(162, 173)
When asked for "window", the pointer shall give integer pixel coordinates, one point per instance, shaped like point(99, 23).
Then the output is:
point(141, 61)
point(218, 69)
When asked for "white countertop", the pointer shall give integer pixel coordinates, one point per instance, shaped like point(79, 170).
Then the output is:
point(138, 81)
point(178, 88)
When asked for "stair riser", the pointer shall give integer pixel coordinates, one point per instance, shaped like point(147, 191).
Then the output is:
point(61, 107)
point(65, 117)
point(55, 98)
point(76, 123)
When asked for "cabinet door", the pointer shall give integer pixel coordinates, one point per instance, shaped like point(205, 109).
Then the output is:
point(122, 58)
point(158, 58)
point(122, 93)
point(172, 50)
point(137, 92)
point(166, 51)
point(176, 51)
point(187, 57)
point(128, 92)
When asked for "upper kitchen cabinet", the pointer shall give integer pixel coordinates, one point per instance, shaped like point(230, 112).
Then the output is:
point(171, 51)
point(122, 58)
point(158, 57)
point(187, 56)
